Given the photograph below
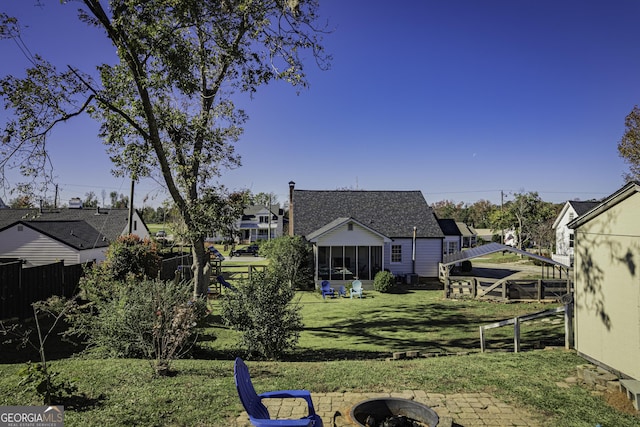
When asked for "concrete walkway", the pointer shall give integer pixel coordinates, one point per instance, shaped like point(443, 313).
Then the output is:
point(454, 410)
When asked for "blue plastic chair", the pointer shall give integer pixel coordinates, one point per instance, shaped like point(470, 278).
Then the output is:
point(326, 289)
point(342, 292)
point(356, 288)
point(258, 413)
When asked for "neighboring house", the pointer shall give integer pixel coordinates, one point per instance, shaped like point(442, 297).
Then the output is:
point(469, 236)
point(607, 282)
point(452, 242)
point(2, 205)
point(564, 235)
point(45, 242)
point(510, 238)
point(260, 223)
point(107, 226)
point(486, 234)
point(359, 233)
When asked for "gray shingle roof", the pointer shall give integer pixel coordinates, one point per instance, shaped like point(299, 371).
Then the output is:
point(391, 213)
point(582, 208)
point(449, 227)
point(110, 223)
point(77, 234)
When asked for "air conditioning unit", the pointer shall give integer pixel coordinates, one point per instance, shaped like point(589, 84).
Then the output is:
point(411, 279)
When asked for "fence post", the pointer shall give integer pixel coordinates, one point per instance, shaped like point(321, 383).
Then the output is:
point(568, 326)
point(540, 290)
point(482, 339)
point(504, 289)
point(516, 335)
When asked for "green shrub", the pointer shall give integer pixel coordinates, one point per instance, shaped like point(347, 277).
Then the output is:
point(127, 256)
point(384, 281)
point(262, 309)
point(147, 318)
point(132, 255)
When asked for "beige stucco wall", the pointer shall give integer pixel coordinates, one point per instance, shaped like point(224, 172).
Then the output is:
point(607, 283)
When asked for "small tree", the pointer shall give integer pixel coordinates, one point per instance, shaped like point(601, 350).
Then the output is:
point(262, 309)
point(290, 261)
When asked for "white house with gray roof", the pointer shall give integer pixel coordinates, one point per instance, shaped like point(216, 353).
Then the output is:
point(74, 235)
point(564, 235)
point(355, 234)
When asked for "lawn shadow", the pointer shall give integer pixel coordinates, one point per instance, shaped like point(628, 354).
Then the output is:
point(81, 402)
point(18, 346)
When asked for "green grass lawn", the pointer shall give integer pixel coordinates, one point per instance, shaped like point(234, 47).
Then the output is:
point(342, 348)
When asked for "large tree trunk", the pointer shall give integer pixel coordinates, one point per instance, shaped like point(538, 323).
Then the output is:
point(200, 268)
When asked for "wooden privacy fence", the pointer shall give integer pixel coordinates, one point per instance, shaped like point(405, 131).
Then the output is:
point(567, 309)
point(506, 289)
point(21, 287)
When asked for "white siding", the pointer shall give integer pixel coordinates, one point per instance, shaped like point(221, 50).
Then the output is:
point(38, 249)
point(563, 232)
point(428, 255)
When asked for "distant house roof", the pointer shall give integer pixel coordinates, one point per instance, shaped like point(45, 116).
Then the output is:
point(253, 210)
point(465, 229)
point(581, 207)
point(449, 227)
point(110, 223)
point(390, 213)
point(77, 234)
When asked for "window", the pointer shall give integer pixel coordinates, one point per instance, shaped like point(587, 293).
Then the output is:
point(350, 226)
point(450, 248)
point(263, 219)
point(396, 253)
point(571, 239)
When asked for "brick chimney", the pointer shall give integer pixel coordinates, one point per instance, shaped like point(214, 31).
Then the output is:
point(291, 187)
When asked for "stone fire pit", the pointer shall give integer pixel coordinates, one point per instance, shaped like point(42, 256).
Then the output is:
point(387, 408)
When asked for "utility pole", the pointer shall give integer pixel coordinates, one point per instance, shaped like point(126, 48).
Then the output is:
point(502, 215)
point(131, 208)
point(269, 209)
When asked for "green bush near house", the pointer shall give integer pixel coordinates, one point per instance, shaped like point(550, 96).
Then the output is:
point(384, 281)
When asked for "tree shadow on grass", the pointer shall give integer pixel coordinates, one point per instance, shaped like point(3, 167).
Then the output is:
point(13, 349)
point(82, 402)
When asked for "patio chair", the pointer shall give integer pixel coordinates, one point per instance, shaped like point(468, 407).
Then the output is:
point(356, 288)
point(342, 292)
point(326, 289)
point(258, 413)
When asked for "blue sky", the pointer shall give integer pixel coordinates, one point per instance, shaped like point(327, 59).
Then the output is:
point(459, 99)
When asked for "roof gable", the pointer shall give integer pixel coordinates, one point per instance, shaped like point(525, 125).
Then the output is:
point(390, 213)
point(339, 222)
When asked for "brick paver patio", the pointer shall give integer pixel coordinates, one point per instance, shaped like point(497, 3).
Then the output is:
point(462, 409)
